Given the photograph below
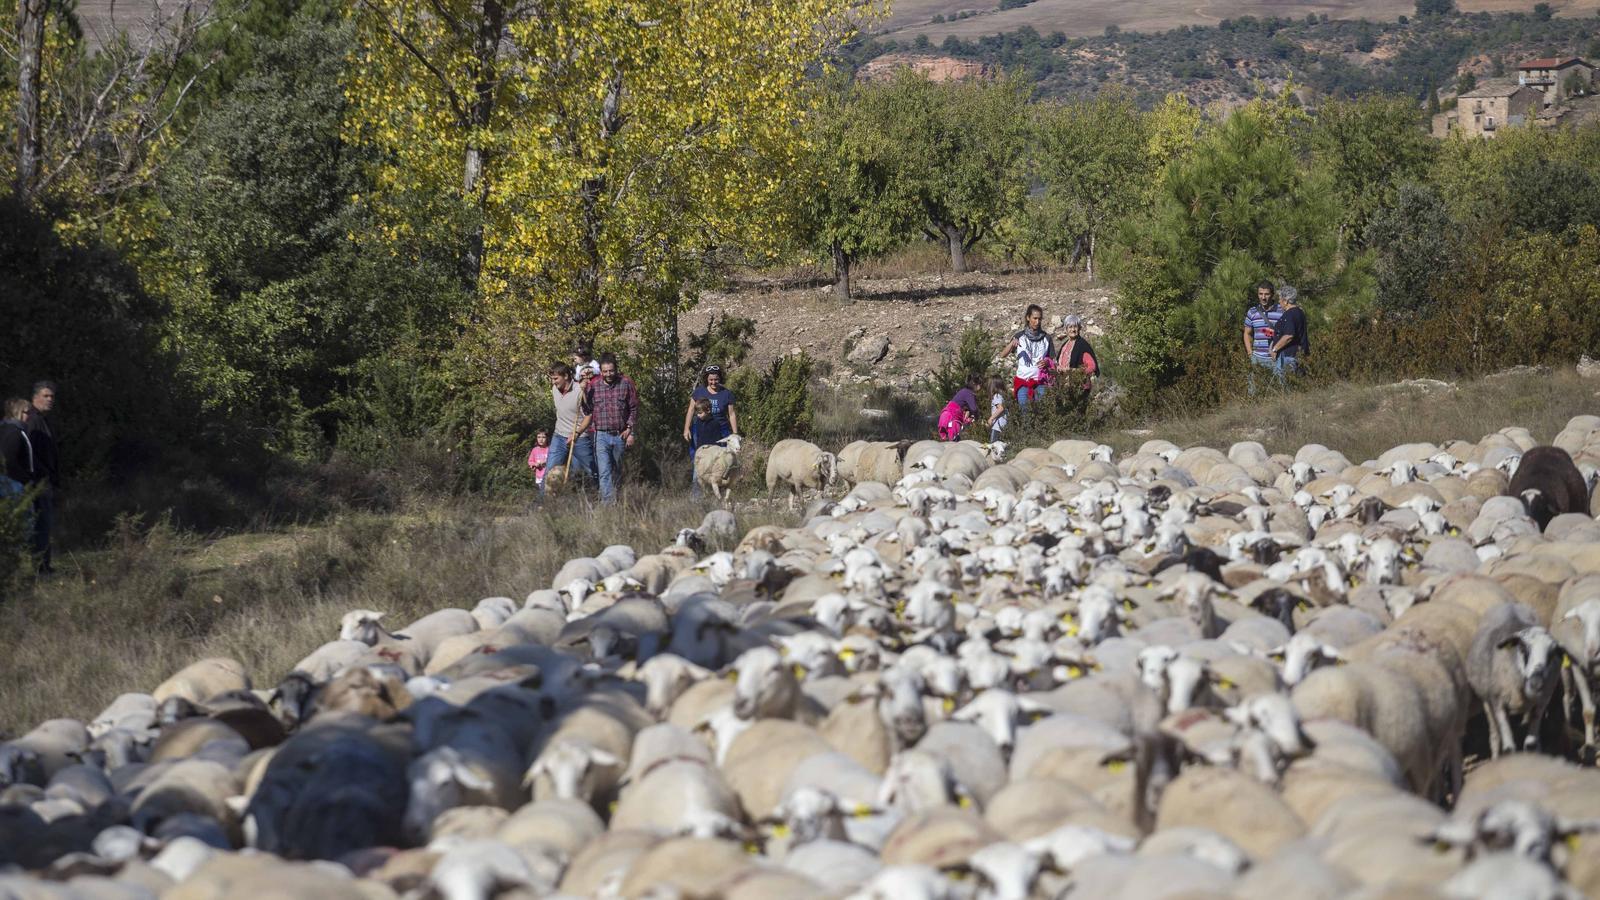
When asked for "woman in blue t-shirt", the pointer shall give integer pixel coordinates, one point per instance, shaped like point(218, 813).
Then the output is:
point(724, 419)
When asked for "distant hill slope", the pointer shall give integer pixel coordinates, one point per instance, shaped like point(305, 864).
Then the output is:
point(1233, 59)
point(1080, 18)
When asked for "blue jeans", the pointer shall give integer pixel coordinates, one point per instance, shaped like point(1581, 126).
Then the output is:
point(1264, 362)
point(1022, 395)
point(1287, 365)
point(608, 448)
point(582, 456)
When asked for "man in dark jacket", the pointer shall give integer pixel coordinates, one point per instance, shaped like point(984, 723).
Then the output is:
point(47, 468)
point(1292, 343)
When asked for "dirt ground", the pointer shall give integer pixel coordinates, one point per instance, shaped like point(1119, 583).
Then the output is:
point(922, 316)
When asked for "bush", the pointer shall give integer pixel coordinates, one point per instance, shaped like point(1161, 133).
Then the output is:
point(777, 403)
point(16, 543)
point(975, 353)
point(1066, 410)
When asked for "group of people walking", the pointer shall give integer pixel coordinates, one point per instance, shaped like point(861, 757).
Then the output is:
point(1039, 357)
point(597, 411)
point(597, 407)
point(32, 460)
point(597, 417)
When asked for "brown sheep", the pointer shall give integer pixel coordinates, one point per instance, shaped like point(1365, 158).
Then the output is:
point(1549, 484)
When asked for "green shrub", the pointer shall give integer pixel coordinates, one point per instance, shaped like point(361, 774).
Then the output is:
point(1066, 410)
point(974, 354)
point(16, 543)
point(777, 403)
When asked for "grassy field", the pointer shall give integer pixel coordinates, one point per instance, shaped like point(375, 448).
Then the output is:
point(1361, 421)
point(126, 616)
point(909, 18)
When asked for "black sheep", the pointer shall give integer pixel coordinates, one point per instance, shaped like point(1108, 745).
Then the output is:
point(1548, 483)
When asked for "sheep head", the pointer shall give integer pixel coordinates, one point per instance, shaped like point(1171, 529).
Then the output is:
point(764, 688)
point(1009, 870)
point(361, 625)
point(1275, 717)
point(442, 779)
point(1537, 657)
point(666, 676)
point(1587, 616)
point(809, 814)
point(1302, 655)
point(827, 468)
point(1383, 561)
point(569, 768)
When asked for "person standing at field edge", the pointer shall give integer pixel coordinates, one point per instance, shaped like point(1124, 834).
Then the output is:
point(1292, 343)
point(47, 469)
point(573, 428)
point(614, 405)
point(1260, 330)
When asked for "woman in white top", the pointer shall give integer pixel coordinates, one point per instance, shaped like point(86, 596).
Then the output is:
point(1035, 353)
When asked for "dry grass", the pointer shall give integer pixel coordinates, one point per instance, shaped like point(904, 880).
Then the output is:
point(125, 618)
point(1362, 421)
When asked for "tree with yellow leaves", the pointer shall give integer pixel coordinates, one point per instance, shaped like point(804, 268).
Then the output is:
point(608, 150)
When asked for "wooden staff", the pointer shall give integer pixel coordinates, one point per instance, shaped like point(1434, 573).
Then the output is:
point(572, 444)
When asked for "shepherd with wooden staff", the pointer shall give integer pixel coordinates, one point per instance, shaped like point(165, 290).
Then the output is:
point(572, 441)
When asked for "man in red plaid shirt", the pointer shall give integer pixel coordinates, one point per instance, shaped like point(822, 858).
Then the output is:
point(614, 402)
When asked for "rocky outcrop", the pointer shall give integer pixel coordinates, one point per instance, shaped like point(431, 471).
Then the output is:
point(936, 68)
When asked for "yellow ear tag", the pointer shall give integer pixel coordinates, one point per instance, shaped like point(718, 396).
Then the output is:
point(949, 704)
point(1074, 672)
point(1127, 605)
point(964, 801)
point(780, 830)
point(846, 654)
point(733, 676)
point(862, 811)
point(1571, 841)
point(612, 808)
point(1354, 581)
point(1441, 847)
point(1072, 631)
point(900, 608)
point(1116, 765)
point(799, 671)
point(751, 849)
point(1566, 662)
point(782, 650)
point(1225, 684)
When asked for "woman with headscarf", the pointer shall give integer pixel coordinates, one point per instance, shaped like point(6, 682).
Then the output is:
point(1076, 352)
point(1035, 353)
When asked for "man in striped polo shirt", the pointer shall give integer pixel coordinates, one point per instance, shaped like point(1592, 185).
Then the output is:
point(1260, 328)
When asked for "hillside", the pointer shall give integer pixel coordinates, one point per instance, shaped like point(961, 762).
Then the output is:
point(1080, 18)
point(1230, 58)
point(916, 319)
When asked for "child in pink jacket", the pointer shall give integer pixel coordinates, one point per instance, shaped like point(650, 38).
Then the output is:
point(539, 456)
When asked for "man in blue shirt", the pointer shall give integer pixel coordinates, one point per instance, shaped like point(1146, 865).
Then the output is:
point(1260, 329)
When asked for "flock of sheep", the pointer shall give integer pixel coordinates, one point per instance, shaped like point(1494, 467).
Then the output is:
point(1186, 672)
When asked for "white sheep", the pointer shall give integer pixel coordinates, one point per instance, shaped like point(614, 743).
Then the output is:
point(800, 466)
point(715, 466)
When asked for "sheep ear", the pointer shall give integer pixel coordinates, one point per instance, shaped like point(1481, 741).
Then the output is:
point(603, 757)
point(539, 768)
